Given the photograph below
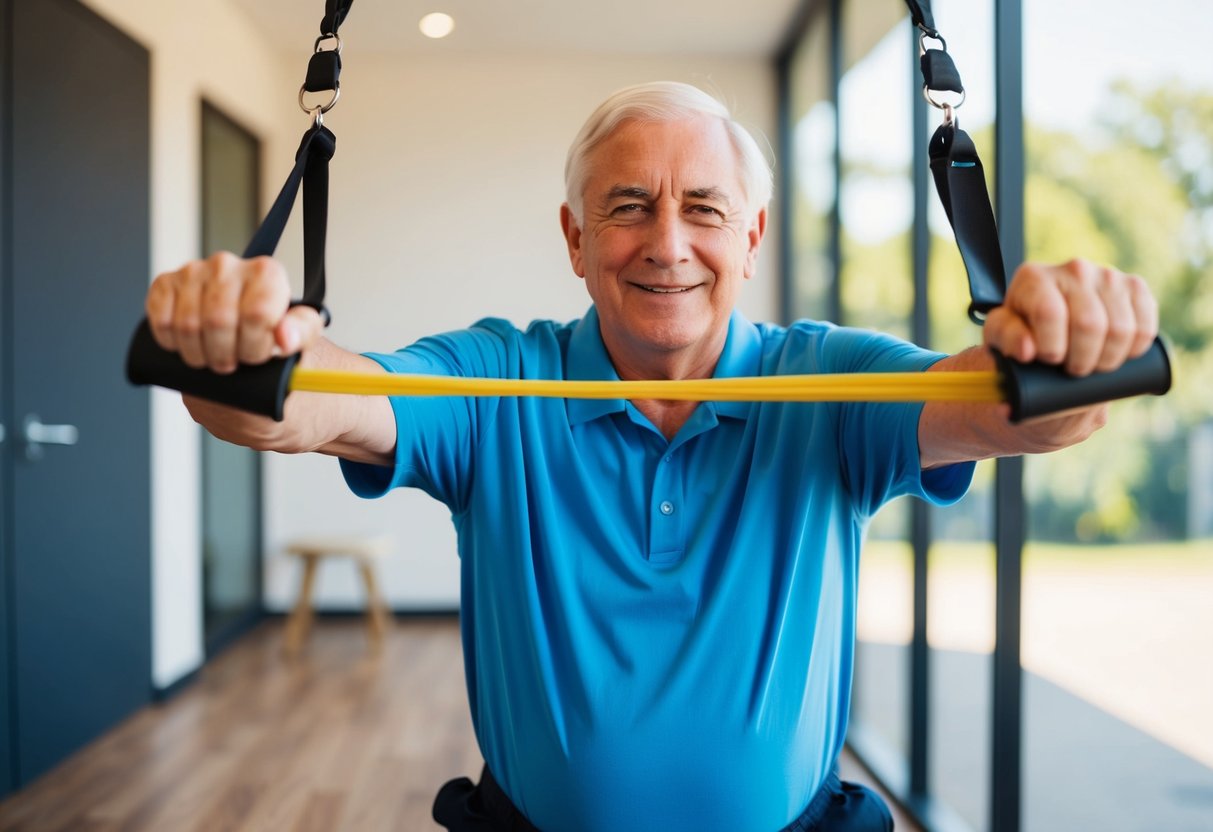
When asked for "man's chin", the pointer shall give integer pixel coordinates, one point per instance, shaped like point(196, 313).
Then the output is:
point(667, 341)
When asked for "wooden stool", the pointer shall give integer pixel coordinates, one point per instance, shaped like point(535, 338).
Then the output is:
point(362, 549)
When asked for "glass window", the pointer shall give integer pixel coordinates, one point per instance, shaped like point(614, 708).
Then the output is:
point(876, 194)
point(876, 204)
point(813, 188)
point(1118, 574)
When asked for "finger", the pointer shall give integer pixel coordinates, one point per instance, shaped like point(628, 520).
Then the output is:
point(187, 314)
point(1113, 289)
point(299, 329)
point(263, 301)
point(1145, 310)
point(220, 314)
point(1008, 333)
point(1088, 328)
point(1081, 341)
point(1037, 298)
point(159, 307)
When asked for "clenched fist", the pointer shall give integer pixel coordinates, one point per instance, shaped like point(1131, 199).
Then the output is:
point(225, 310)
point(1086, 317)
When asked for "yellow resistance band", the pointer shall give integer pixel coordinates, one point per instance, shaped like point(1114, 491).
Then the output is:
point(982, 386)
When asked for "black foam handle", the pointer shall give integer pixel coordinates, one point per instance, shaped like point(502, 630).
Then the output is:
point(259, 389)
point(1038, 389)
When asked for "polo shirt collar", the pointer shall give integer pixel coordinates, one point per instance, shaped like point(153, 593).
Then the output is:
point(588, 360)
point(741, 357)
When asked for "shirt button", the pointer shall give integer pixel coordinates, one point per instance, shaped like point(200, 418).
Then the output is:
point(667, 508)
point(669, 459)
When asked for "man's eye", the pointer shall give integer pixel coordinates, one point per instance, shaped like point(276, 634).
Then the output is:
point(707, 210)
point(629, 208)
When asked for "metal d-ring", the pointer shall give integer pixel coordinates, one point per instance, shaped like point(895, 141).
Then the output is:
point(337, 37)
point(320, 109)
point(943, 105)
point(933, 35)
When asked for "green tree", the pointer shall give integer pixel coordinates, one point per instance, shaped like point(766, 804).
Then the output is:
point(1138, 194)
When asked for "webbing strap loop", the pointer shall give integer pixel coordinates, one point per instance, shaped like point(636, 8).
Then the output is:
point(920, 13)
point(961, 183)
point(312, 171)
point(334, 13)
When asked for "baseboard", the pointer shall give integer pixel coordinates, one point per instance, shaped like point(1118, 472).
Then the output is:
point(163, 694)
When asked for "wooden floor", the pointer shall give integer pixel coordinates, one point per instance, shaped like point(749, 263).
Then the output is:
point(331, 741)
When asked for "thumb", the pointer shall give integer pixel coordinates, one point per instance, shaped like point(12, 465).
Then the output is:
point(298, 329)
point(1009, 333)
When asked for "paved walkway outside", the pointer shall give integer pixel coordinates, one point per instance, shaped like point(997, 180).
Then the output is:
point(1118, 694)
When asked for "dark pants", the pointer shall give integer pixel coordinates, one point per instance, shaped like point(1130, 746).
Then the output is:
point(837, 807)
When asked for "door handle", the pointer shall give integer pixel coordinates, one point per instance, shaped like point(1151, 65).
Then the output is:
point(38, 434)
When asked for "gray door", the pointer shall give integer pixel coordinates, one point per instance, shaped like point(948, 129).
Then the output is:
point(79, 595)
point(7, 772)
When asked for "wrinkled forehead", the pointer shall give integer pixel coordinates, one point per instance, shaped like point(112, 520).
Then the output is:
point(689, 153)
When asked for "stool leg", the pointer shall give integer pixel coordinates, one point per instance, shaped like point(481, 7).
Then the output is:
point(300, 620)
point(376, 610)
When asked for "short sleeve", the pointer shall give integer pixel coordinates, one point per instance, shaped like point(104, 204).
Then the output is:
point(878, 441)
point(436, 435)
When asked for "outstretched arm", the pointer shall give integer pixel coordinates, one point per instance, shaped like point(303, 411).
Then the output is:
point(1084, 317)
point(224, 310)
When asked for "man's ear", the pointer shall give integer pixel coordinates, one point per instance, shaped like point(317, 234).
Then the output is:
point(757, 229)
point(572, 236)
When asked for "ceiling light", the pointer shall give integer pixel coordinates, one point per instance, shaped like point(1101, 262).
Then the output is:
point(436, 25)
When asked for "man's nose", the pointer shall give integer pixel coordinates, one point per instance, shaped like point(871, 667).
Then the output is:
point(667, 243)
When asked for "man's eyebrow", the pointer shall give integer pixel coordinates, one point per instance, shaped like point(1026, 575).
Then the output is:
point(713, 194)
point(627, 192)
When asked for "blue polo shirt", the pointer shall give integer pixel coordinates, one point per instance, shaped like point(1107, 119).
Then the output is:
point(657, 635)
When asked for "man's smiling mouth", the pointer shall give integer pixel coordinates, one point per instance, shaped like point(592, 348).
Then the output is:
point(666, 290)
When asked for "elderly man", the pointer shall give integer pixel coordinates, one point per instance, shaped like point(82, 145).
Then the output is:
point(658, 597)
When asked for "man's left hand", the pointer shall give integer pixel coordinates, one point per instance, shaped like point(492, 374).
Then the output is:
point(1086, 317)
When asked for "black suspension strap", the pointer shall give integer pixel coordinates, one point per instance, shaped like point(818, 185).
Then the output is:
point(1031, 389)
point(263, 388)
point(920, 14)
point(960, 178)
point(334, 15)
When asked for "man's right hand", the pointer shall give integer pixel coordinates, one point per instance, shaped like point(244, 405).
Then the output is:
point(224, 310)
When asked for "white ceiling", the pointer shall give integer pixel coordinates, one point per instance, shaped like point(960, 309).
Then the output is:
point(714, 27)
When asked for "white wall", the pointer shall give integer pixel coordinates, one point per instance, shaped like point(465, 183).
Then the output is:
point(445, 192)
point(197, 50)
point(446, 188)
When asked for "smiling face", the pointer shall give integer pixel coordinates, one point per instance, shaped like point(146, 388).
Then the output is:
point(665, 243)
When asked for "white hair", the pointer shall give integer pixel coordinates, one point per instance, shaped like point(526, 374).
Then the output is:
point(663, 101)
